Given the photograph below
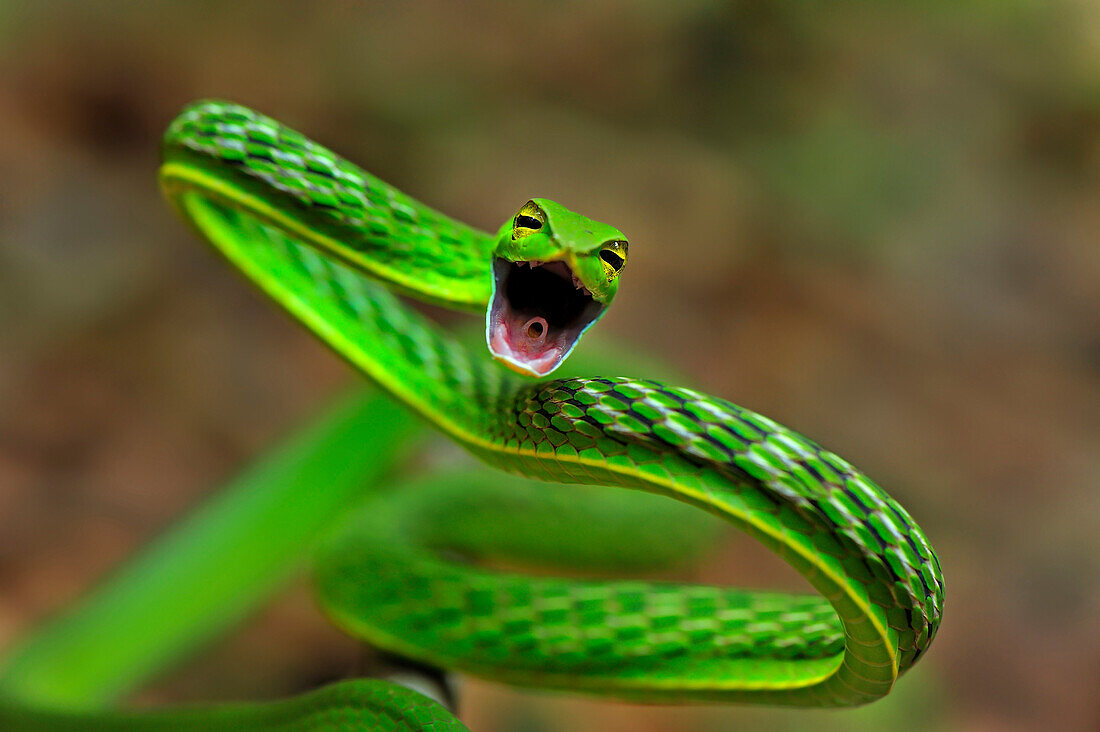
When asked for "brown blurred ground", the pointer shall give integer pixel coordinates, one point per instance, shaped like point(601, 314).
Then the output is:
point(879, 226)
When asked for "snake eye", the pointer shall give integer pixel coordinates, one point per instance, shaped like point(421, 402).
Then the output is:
point(529, 220)
point(613, 256)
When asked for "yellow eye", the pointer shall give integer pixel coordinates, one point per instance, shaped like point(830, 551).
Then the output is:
point(529, 220)
point(613, 257)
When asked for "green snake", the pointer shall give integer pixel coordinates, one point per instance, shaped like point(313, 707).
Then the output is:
point(332, 244)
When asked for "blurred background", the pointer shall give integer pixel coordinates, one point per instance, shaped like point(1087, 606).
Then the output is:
point(875, 223)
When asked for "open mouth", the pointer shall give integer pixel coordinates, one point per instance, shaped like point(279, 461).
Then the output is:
point(539, 311)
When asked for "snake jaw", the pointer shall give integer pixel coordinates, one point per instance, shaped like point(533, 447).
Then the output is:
point(538, 313)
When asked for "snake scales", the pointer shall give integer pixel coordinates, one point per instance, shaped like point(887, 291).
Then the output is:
point(331, 244)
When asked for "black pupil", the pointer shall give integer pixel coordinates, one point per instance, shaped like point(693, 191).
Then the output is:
point(612, 258)
point(528, 222)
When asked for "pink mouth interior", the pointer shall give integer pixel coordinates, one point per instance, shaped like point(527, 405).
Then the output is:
point(537, 314)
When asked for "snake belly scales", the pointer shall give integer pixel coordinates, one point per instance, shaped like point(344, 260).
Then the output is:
point(331, 243)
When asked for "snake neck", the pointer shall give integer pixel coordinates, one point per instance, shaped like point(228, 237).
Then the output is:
point(244, 159)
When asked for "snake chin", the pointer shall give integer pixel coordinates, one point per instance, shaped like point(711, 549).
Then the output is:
point(538, 313)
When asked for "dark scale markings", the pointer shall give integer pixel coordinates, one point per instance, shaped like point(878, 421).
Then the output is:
point(811, 489)
point(340, 194)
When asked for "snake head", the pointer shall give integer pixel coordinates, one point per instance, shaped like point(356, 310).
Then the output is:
point(555, 273)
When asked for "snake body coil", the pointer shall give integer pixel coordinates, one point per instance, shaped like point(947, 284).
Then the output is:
point(317, 234)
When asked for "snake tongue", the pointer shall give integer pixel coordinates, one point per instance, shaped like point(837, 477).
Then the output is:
point(537, 315)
